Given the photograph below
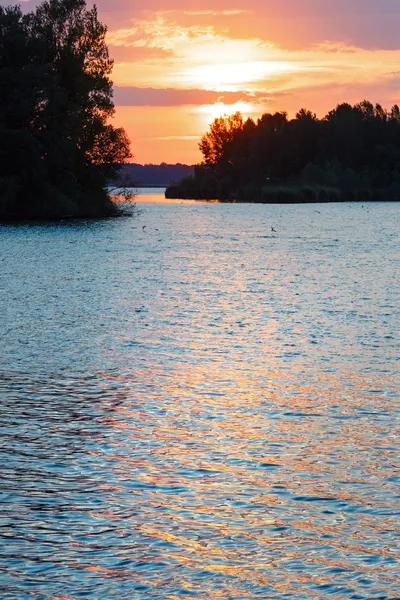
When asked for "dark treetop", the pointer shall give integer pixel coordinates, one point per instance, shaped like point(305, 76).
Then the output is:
point(57, 150)
point(353, 153)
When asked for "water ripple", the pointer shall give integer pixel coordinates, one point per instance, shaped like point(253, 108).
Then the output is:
point(207, 412)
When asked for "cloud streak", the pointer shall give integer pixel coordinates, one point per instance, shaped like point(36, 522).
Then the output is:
point(136, 96)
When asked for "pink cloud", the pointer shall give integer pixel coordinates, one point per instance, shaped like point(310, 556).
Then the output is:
point(289, 23)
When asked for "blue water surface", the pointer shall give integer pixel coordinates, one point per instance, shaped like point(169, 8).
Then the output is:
point(194, 406)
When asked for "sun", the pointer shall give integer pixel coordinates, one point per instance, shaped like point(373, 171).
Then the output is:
point(208, 112)
point(234, 76)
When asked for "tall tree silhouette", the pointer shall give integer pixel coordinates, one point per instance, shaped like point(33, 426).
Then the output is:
point(57, 147)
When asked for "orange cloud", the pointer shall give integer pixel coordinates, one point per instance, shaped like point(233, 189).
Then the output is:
point(135, 96)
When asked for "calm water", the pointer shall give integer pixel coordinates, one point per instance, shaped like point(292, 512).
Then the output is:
point(201, 409)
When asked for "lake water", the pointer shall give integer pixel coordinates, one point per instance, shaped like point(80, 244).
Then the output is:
point(193, 406)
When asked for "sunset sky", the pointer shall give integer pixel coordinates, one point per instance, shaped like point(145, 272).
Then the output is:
point(180, 64)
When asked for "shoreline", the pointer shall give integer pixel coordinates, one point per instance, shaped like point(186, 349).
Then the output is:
point(284, 194)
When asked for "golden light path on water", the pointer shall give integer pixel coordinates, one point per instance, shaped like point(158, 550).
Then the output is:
point(203, 409)
point(250, 466)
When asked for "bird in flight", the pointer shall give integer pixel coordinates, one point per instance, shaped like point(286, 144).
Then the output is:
point(273, 230)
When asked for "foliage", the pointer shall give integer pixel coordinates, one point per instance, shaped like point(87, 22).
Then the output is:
point(353, 152)
point(57, 148)
point(217, 145)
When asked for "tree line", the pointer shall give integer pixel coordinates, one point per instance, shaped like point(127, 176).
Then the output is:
point(57, 147)
point(352, 153)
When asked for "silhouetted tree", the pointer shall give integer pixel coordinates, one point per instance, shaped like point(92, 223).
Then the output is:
point(353, 150)
point(57, 147)
point(216, 145)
